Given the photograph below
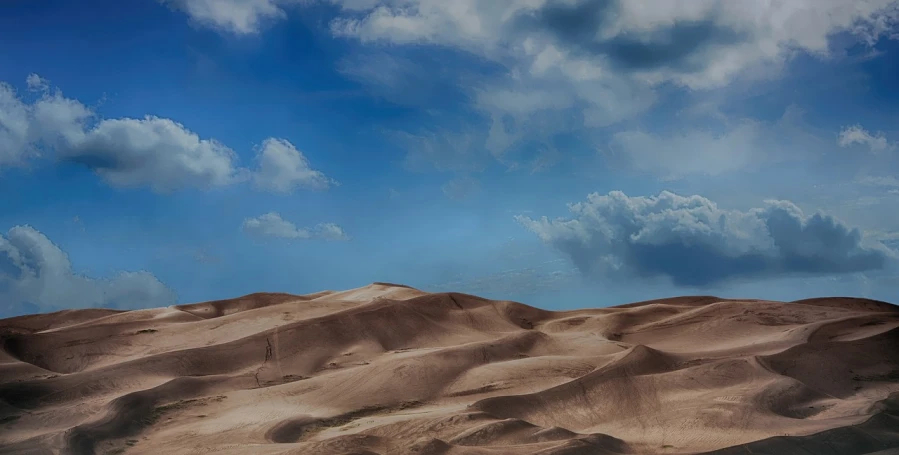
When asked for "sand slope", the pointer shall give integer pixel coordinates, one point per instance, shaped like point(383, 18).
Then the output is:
point(387, 369)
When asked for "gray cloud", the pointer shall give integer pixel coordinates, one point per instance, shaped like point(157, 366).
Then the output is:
point(693, 242)
point(271, 225)
point(682, 45)
point(699, 43)
point(36, 275)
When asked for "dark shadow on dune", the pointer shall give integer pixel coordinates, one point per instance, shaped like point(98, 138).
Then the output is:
point(852, 303)
point(301, 428)
point(130, 414)
point(877, 435)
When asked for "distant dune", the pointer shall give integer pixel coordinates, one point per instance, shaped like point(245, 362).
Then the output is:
point(387, 369)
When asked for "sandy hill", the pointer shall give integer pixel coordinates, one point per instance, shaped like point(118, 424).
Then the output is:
point(387, 369)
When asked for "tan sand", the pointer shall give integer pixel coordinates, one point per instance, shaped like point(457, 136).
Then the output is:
point(387, 369)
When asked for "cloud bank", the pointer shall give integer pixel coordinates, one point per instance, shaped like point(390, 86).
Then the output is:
point(559, 66)
point(693, 242)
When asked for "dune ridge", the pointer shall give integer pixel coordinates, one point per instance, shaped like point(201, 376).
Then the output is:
point(389, 369)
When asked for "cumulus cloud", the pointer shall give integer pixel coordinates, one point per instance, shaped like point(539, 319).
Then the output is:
point(152, 151)
point(50, 121)
point(282, 168)
point(272, 225)
point(127, 152)
point(856, 135)
point(36, 275)
point(693, 242)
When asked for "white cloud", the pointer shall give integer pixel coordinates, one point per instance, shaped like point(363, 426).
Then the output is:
point(591, 43)
point(126, 152)
point(282, 168)
point(36, 274)
point(693, 242)
point(240, 17)
point(330, 231)
point(155, 152)
point(272, 225)
point(51, 121)
point(57, 122)
point(568, 64)
point(603, 59)
point(37, 83)
point(856, 135)
point(698, 43)
point(15, 143)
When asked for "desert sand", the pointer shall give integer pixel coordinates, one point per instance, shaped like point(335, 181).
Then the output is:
point(387, 369)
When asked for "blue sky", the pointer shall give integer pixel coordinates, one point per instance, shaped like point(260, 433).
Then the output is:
point(177, 151)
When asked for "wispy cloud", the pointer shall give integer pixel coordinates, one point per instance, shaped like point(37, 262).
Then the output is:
point(271, 225)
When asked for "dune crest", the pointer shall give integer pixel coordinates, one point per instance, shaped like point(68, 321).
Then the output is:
point(389, 369)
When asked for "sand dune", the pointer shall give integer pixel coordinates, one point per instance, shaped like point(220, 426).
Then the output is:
point(387, 369)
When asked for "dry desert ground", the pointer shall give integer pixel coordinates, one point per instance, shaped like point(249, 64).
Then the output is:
point(387, 369)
